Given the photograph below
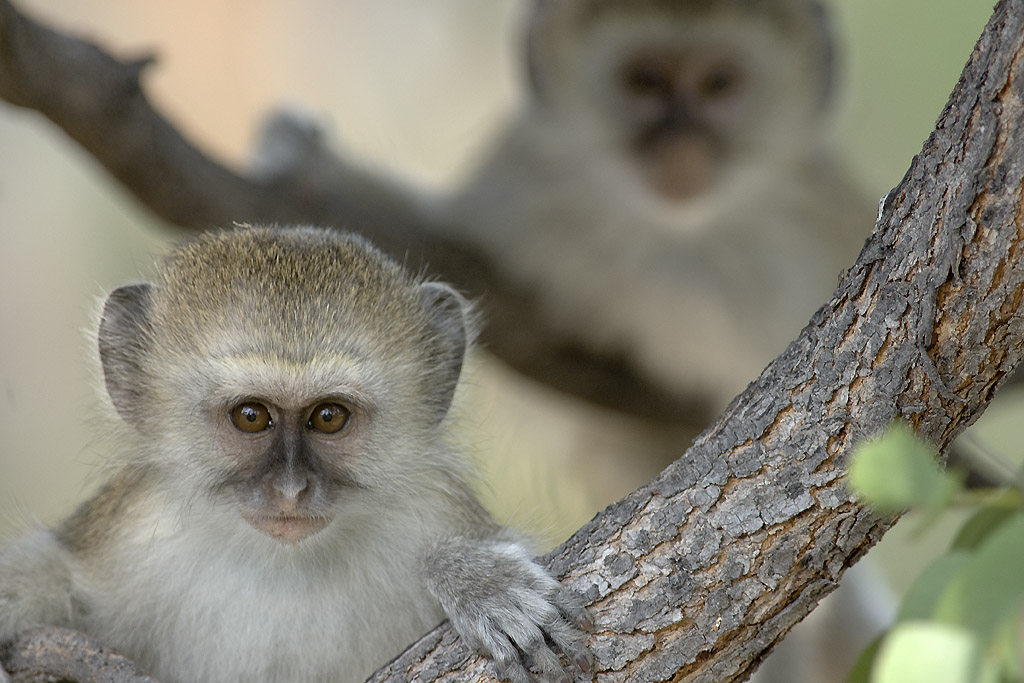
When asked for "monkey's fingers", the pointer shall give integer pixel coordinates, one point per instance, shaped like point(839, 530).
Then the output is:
point(547, 612)
point(530, 639)
point(494, 645)
point(573, 607)
point(570, 641)
point(528, 628)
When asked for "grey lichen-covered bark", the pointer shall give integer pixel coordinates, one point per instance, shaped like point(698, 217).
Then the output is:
point(696, 575)
point(56, 655)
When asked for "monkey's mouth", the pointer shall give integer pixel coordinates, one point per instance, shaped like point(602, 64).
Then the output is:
point(288, 528)
point(678, 165)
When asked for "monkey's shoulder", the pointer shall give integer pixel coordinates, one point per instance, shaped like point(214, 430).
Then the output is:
point(100, 520)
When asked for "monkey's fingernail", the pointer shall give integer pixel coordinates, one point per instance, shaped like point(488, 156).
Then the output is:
point(563, 679)
point(586, 621)
point(585, 662)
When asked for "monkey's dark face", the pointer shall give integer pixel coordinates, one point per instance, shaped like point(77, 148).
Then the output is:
point(687, 102)
point(292, 463)
point(295, 446)
point(677, 107)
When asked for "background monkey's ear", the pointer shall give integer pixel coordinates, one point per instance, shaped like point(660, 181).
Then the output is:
point(122, 343)
point(446, 313)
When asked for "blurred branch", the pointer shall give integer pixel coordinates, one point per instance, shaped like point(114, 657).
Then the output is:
point(57, 654)
point(100, 103)
point(696, 575)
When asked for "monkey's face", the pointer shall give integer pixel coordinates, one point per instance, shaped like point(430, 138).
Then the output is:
point(675, 108)
point(292, 445)
point(692, 109)
point(288, 459)
point(289, 376)
point(299, 441)
point(689, 100)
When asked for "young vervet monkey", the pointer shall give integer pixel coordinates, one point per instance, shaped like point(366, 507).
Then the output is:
point(669, 186)
point(285, 506)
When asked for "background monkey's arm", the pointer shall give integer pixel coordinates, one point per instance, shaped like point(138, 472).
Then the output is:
point(108, 114)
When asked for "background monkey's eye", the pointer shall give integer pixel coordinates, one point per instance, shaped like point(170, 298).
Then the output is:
point(720, 80)
point(329, 418)
point(647, 80)
point(251, 417)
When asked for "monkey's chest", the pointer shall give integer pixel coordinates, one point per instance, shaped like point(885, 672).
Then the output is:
point(226, 622)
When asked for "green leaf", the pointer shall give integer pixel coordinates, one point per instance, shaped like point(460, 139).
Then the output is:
point(923, 595)
point(925, 652)
point(989, 589)
point(1007, 650)
point(981, 524)
point(861, 671)
point(897, 471)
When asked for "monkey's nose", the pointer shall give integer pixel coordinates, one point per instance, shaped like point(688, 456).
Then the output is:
point(291, 486)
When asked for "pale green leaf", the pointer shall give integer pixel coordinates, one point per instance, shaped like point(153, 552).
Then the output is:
point(861, 671)
point(897, 471)
point(923, 595)
point(925, 652)
point(987, 592)
point(982, 523)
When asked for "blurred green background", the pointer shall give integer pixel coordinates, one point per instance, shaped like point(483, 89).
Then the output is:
point(412, 87)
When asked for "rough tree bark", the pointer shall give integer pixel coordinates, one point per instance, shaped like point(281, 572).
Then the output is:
point(695, 576)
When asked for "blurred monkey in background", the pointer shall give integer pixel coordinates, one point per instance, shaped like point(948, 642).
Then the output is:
point(669, 185)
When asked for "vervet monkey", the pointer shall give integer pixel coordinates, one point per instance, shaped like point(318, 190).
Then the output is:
point(669, 186)
point(285, 506)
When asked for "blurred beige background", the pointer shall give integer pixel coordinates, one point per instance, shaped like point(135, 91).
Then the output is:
point(411, 86)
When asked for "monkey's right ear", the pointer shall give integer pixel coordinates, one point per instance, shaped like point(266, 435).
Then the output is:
point(122, 341)
point(445, 310)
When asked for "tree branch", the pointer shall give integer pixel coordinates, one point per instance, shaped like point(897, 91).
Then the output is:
point(57, 654)
point(696, 575)
point(101, 104)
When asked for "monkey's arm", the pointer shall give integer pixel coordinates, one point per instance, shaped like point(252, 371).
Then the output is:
point(35, 587)
point(502, 604)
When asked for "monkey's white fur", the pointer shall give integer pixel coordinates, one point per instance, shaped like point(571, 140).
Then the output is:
point(219, 553)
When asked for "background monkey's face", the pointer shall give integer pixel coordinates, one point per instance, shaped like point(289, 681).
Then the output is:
point(288, 375)
point(689, 96)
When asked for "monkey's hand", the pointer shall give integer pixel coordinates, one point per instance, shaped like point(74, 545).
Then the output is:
point(509, 609)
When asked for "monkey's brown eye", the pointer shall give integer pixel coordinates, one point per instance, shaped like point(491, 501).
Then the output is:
point(718, 82)
point(251, 417)
point(647, 80)
point(329, 418)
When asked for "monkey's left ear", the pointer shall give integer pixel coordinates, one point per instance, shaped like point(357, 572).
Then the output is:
point(122, 341)
point(445, 311)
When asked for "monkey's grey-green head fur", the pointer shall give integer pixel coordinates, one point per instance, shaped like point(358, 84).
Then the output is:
point(286, 317)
